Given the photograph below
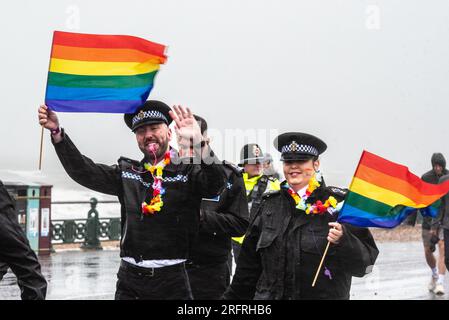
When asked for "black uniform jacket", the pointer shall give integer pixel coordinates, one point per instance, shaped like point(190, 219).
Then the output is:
point(283, 248)
point(222, 217)
point(15, 251)
point(167, 234)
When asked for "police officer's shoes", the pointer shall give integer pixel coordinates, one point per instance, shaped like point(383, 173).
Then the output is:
point(439, 289)
point(432, 284)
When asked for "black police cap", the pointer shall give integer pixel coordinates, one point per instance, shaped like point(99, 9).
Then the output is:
point(299, 146)
point(152, 111)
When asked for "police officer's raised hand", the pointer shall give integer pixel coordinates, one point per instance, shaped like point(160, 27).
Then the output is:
point(335, 233)
point(49, 120)
point(186, 127)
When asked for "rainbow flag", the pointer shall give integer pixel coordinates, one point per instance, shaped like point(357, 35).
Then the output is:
point(383, 193)
point(101, 73)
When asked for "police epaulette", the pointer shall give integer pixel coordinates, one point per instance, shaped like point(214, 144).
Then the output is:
point(270, 194)
point(237, 170)
point(271, 178)
point(128, 161)
point(338, 191)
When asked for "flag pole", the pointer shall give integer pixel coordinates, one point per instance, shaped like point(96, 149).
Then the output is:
point(41, 149)
point(328, 243)
point(46, 88)
point(321, 264)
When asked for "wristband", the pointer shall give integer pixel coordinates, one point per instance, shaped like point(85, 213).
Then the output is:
point(55, 131)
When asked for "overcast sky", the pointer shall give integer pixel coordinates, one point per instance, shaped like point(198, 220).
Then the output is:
point(359, 74)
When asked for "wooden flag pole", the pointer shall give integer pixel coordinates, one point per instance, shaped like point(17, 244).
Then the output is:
point(321, 264)
point(42, 145)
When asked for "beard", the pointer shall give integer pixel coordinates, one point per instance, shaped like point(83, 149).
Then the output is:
point(161, 147)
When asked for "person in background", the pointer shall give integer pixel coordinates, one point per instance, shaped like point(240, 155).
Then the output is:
point(268, 167)
point(221, 218)
point(256, 184)
point(432, 233)
point(441, 223)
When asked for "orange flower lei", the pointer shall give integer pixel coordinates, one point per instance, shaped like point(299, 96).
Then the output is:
point(156, 202)
point(319, 208)
point(316, 208)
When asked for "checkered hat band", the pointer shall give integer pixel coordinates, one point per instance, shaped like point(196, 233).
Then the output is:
point(152, 114)
point(300, 148)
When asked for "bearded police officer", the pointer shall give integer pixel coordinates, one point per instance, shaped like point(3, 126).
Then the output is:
point(222, 217)
point(160, 197)
point(283, 247)
point(15, 252)
point(257, 183)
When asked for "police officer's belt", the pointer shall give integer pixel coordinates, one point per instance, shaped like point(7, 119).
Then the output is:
point(149, 272)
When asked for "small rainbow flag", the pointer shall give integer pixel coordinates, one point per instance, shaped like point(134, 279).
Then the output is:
point(383, 193)
point(101, 73)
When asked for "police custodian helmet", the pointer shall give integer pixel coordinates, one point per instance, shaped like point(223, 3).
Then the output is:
point(299, 146)
point(251, 154)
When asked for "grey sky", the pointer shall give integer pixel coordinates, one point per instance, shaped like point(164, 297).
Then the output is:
point(360, 74)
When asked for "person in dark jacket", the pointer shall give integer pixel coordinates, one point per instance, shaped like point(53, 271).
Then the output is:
point(284, 245)
point(222, 217)
point(160, 197)
point(15, 252)
point(432, 234)
point(441, 227)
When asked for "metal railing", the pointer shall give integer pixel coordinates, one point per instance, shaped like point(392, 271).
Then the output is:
point(74, 230)
point(90, 231)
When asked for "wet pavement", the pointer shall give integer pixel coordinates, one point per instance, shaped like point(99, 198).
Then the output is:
point(73, 275)
point(400, 273)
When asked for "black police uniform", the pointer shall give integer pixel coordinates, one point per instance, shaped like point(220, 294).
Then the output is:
point(283, 247)
point(252, 154)
point(165, 235)
point(15, 252)
point(223, 217)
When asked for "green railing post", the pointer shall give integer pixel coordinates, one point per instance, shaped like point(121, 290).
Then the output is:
point(92, 238)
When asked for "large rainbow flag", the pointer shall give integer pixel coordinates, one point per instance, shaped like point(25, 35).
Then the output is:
point(383, 193)
point(101, 73)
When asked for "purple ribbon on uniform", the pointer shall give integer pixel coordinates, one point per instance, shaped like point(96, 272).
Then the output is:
point(327, 273)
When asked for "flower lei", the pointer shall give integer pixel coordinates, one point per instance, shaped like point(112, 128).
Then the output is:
point(318, 207)
point(156, 202)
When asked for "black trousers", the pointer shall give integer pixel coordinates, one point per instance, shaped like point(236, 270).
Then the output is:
point(166, 283)
point(208, 281)
point(3, 269)
point(446, 248)
point(15, 252)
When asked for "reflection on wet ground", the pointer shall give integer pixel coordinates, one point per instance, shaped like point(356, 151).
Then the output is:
point(400, 273)
point(72, 275)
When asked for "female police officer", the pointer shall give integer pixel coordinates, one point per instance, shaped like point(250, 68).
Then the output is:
point(284, 245)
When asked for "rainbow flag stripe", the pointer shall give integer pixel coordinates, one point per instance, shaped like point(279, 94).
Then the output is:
point(383, 193)
point(101, 73)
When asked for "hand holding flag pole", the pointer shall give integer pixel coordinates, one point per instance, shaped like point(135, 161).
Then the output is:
point(48, 120)
point(335, 234)
point(100, 73)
